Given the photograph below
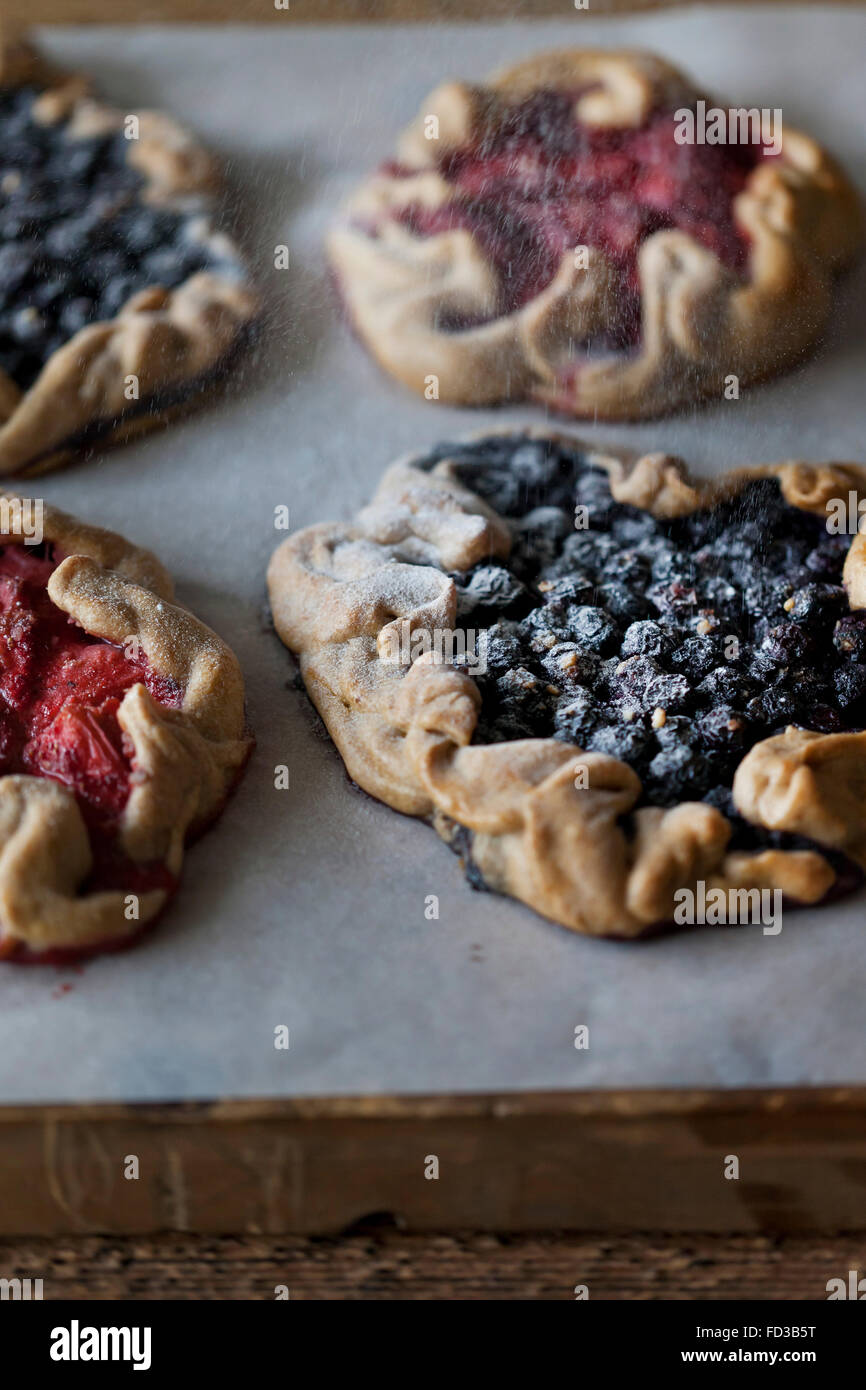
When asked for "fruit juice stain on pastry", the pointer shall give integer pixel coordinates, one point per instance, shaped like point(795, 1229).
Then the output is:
point(60, 691)
point(563, 233)
point(543, 183)
point(122, 734)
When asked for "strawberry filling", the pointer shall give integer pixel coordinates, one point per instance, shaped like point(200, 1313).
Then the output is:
point(60, 692)
point(543, 184)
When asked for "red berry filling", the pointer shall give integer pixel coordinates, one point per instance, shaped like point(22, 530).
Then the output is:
point(60, 691)
point(544, 183)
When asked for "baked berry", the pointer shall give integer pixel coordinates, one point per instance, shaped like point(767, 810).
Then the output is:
point(587, 551)
point(622, 643)
point(817, 602)
point(788, 644)
point(568, 666)
point(675, 729)
point(525, 704)
point(646, 638)
point(503, 647)
point(678, 773)
point(670, 565)
point(777, 707)
point(696, 657)
point(576, 718)
point(676, 599)
point(625, 604)
point(488, 587)
point(594, 629)
point(632, 527)
point(826, 720)
point(628, 742)
point(669, 692)
point(632, 679)
point(849, 637)
point(850, 686)
point(77, 242)
point(724, 728)
point(569, 589)
point(592, 491)
point(726, 685)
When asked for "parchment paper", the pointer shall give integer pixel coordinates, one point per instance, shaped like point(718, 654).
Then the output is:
point(306, 907)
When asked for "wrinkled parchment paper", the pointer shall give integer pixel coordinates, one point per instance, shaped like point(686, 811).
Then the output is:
point(305, 907)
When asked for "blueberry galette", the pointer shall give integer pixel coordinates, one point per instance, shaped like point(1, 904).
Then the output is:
point(546, 236)
point(121, 734)
point(118, 298)
point(601, 680)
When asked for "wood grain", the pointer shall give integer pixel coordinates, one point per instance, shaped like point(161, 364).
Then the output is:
point(391, 1265)
point(311, 11)
point(588, 1160)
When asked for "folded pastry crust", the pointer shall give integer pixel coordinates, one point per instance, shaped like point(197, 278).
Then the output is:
point(339, 593)
point(184, 761)
point(171, 341)
point(701, 321)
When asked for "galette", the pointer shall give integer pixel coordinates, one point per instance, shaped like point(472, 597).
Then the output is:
point(122, 732)
point(603, 681)
point(576, 232)
point(119, 298)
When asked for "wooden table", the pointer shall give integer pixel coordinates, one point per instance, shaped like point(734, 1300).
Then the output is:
point(386, 1264)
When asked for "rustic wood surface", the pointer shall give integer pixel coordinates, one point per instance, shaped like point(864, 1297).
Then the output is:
point(313, 11)
point(388, 1265)
point(592, 1160)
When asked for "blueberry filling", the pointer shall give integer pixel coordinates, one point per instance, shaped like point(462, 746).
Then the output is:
point(672, 645)
point(76, 241)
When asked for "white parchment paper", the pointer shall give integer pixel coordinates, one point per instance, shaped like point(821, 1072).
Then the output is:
point(306, 907)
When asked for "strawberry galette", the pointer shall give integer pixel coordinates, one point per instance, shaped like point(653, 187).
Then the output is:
point(122, 731)
point(547, 236)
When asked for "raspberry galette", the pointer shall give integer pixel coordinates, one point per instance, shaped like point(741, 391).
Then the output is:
point(118, 298)
point(601, 680)
point(545, 236)
point(122, 731)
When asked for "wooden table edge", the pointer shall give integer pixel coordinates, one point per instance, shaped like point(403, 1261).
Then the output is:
point(305, 12)
point(500, 1105)
point(779, 1159)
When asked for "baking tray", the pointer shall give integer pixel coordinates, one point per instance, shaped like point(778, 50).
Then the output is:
point(305, 907)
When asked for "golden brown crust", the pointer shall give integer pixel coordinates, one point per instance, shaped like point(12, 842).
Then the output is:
point(701, 322)
point(540, 833)
point(808, 784)
point(169, 341)
point(184, 761)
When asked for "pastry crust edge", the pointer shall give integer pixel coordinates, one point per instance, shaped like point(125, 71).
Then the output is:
point(170, 341)
point(700, 322)
point(405, 734)
point(185, 761)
